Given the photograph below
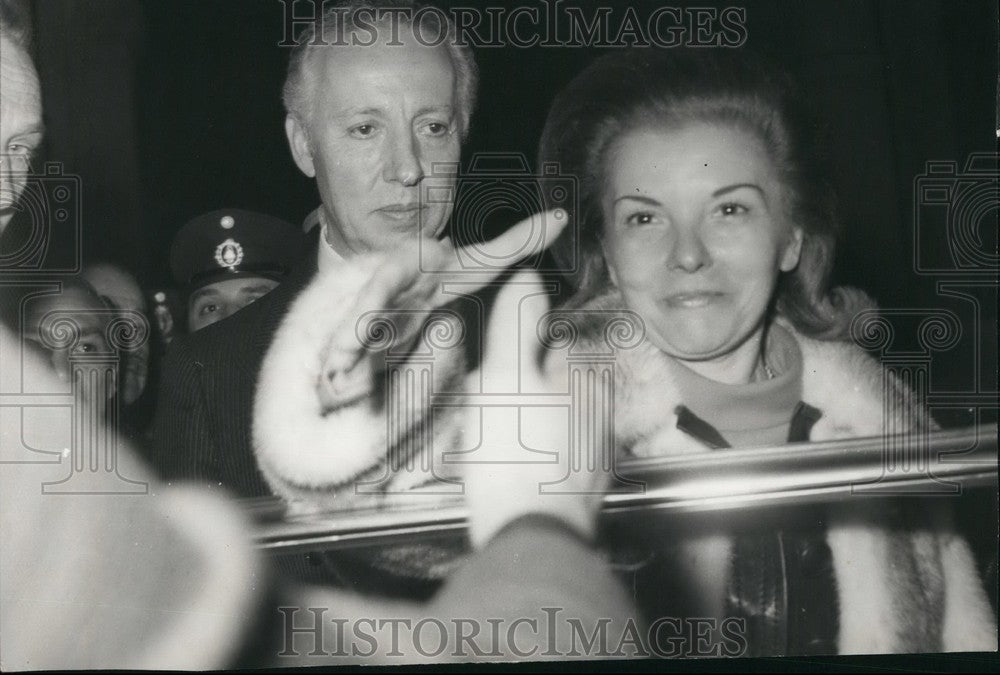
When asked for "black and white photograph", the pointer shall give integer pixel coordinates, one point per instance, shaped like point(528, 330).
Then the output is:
point(546, 333)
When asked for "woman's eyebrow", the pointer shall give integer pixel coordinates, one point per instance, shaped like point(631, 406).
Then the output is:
point(736, 186)
point(643, 199)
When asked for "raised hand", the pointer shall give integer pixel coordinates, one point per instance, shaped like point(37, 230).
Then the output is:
point(317, 427)
point(410, 278)
point(522, 464)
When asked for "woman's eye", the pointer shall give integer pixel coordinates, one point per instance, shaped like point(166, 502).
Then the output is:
point(732, 209)
point(208, 309)
point(641, 218)
point(84, 348)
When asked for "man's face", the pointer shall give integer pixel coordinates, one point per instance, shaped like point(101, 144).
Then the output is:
point(215, 302)
point(20, 124)
point(381, 116)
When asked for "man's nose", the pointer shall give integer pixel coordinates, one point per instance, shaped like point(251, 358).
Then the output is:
point(13, 177)
point(689, 252)
point(6, 174)
point(403, 165)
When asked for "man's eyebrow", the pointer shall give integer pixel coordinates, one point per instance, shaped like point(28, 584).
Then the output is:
point(435, 109)
point(202, 292)
point(34, 130)
point(378, 112)
point(358, 111)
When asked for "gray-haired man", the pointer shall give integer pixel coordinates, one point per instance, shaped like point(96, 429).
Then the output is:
point(373, 101)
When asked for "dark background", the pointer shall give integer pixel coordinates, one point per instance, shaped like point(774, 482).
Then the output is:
point(170, 108)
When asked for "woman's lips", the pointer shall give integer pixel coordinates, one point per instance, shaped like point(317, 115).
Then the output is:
point(692, 299)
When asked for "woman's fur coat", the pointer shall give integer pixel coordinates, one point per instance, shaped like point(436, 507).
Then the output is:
point(903, 586)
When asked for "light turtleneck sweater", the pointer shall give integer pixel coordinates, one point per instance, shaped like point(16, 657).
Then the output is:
point(753, 414)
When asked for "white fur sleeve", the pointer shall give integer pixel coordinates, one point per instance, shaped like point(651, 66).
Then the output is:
point(297, 446)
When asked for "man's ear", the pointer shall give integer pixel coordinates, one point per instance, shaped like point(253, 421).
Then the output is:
point(298, 142)
point(793, 250)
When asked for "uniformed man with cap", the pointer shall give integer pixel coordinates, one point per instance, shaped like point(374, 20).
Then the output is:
point(226, 259)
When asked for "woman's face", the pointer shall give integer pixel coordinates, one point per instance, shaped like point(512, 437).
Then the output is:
point(696, 235)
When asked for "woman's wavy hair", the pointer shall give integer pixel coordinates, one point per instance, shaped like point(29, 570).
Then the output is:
point(643, 88)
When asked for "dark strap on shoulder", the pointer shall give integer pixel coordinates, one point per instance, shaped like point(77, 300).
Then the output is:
point(698, 428)
point(803, 419)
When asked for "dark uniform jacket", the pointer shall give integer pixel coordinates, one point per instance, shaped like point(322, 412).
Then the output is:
point(202, 428)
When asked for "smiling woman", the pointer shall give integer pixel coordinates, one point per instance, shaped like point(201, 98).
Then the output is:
point(705, 212)
point(696, 224)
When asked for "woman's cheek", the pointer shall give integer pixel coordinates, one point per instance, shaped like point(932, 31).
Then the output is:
point(639, 256)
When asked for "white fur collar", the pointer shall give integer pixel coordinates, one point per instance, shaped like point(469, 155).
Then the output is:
point(914, 589)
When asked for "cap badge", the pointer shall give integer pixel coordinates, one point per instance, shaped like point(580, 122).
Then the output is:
point(227, 222)
point(229, 254)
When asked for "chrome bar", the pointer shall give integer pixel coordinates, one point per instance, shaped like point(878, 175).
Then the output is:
point(718, 481)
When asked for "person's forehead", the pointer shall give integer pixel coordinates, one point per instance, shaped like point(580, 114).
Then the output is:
point(114, 282)
point(697, 145)
point(19, 86)
point(357, 76)
point(87, 314)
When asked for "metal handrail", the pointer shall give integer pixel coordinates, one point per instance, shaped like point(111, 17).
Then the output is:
point(944, 463)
